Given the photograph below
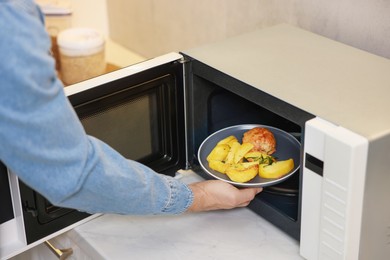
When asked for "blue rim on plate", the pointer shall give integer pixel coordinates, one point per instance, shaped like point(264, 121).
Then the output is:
point(287, 146)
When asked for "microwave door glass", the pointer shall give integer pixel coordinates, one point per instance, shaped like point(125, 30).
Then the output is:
point(128, 125)
point(139, 115)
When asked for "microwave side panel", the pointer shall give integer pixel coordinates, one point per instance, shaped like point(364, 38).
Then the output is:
point(375, 230)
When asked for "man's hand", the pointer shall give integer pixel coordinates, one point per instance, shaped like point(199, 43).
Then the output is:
point(216, 194)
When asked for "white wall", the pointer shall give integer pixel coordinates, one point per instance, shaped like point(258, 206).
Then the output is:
point(90, 13)
point(85, 13)
point(154, 27)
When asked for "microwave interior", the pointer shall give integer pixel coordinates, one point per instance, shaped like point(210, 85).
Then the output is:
point(218, 101)
point(160, 118)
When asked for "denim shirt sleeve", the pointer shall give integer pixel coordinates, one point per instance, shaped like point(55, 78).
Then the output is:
point(44, 143)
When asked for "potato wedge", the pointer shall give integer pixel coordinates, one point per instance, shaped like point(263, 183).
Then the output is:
point(228, 139)
point(218, 166)
point(243, 172)
point(235, 145)
point(232, 142)
point(218, 153)
point(276, 169)
point(255, 155)
point(242, 150)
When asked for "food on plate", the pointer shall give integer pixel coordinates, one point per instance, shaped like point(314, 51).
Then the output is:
point(218, 166)
point(228, 140)
point(260, 157)
point(243, 162)
point(234, 146)
point(242, 172)
point(263, 140)
point(276, 169)
point(219, 153)
point(241, 151)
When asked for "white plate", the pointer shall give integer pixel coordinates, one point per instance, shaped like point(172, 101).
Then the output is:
point(287, 146)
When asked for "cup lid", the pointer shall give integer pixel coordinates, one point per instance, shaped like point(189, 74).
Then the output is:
point(80, 39)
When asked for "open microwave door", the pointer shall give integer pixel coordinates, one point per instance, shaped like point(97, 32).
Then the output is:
point(138, 110)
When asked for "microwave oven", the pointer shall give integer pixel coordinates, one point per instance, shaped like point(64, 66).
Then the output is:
point(331, 97)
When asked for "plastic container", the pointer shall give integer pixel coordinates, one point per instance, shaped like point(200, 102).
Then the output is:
point(81, 54)
point(54, 25)
point(58, 17)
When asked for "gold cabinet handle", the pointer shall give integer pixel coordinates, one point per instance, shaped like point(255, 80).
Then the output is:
point(62, 254)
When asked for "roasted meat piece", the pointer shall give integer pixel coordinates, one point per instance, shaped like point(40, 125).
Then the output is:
point(262, 139)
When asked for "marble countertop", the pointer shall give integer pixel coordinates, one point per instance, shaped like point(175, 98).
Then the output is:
point(229, 234)
point(119, 55)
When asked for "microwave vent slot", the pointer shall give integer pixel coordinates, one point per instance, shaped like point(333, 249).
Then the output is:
point(333, 219)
